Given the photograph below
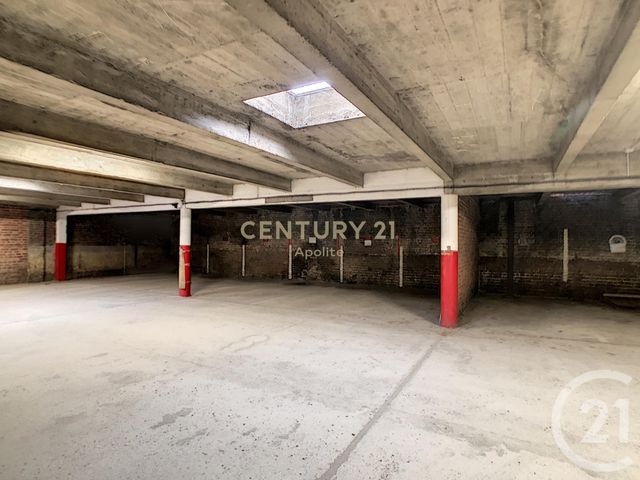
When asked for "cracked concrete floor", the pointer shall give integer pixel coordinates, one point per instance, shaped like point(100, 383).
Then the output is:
point(120, 378)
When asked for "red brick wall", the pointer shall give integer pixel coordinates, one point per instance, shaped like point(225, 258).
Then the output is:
point(14, 230)
point(468, 216)
point(538, 245)
point(418, 228)
point(26, 245)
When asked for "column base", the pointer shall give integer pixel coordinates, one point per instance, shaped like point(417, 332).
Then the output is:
point(449, 289)
point(60, 262)
point(184, 271)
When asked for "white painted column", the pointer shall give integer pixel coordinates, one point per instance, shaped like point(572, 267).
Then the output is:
point(185, 226)
point(61, 227)
point(449, 223)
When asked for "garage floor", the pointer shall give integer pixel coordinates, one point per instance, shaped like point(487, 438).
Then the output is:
point(119, 378)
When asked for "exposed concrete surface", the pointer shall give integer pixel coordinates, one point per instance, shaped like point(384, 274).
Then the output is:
point(120, 378)
point(473, 85)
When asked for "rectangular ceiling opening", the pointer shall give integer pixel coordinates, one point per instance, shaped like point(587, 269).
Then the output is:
point(307, 105)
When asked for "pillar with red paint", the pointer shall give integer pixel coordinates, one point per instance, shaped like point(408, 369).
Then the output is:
point(449, 261)
point(60, 249)
point(184, 268)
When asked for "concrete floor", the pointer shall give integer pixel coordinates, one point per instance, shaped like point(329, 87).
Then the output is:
point(120, 378)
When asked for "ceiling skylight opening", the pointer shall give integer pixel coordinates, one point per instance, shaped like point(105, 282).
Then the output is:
point(314, 87)
point(308, 105)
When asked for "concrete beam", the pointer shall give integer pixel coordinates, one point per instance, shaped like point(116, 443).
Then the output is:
point(27, 200)
point(115, 98)
point(59, 189)
point(615, 69)
point(54, 197)
point(548, 186)
point(59, 127)
point(37, 151)
point(307, 32)
point(113, 188)
point(589, 172)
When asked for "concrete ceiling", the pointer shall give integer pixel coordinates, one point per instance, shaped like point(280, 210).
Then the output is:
point(205, 48)
point(490, 80)
point(482, 91)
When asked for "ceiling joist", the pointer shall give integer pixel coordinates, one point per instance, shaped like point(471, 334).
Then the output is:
point(54, 196)
point(109, 187)
point(40, 152)
point(176, 117)
point(59, 189)
point(59, 127)
point(36, 201)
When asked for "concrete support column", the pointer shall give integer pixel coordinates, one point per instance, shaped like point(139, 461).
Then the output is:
point(184, 268)
point(60, 250)
point(449, 261)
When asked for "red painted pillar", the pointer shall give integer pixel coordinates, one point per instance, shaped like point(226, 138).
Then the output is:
point(60, 251)
point(449, 261)
point(184, 268)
